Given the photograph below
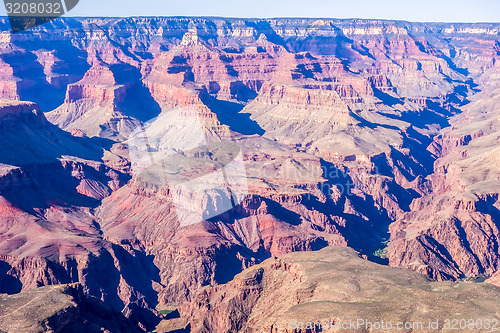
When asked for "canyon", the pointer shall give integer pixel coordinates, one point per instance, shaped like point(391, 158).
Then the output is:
point(373, 140)
point(331, 289)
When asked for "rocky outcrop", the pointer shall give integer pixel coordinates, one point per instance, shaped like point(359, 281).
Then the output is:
point(108, 101)
point(14, 114)
point(59, 308)
point(495, 279)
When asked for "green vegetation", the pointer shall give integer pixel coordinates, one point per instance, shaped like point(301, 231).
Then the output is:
point(166, 312)
point(475, 279)
point(382, 251)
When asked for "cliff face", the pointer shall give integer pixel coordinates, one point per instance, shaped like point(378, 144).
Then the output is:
point(378, 135)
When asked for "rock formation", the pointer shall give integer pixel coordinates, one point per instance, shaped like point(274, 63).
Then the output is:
point(61, 308)
point(331, 289)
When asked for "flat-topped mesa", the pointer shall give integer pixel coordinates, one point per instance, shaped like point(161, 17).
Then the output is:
point(308, 97)
point(98, 85)
point(190, 101)
point(14, 113)
point(172, 96)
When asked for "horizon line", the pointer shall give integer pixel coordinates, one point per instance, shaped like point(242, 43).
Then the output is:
point(268, 18)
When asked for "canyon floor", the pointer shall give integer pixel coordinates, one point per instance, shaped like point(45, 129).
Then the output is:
point(162, 173)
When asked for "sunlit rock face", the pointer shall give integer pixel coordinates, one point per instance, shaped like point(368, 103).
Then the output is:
point(146, 158)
